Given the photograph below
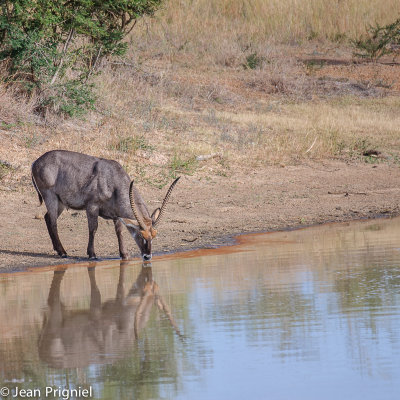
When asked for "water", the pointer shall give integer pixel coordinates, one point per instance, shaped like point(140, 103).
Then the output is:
point(308, 314)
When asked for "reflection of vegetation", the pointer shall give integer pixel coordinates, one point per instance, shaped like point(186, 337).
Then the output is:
point(376, 227)
point(280, 317)
point(139, 377)
point(369, 289)
point(312, 282)
point(367, 296)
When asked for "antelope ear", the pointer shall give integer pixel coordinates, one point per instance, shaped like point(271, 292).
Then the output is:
point(129, 222)
point(155, 214)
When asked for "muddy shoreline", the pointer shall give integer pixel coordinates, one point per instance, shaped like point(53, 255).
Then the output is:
point(234, 239)
point(209, 213)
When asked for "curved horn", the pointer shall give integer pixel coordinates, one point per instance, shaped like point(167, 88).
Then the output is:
point(165, 201)
point(137, 214)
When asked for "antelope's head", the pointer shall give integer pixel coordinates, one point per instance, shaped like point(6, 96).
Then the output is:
point(143, 230)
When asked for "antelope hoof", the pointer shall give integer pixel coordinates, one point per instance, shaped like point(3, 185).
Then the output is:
point(63, 255)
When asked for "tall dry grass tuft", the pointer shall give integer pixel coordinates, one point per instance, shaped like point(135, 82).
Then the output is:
point(15, 107)
point(223, 29)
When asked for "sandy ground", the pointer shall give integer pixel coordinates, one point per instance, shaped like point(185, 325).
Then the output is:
point(209, 212)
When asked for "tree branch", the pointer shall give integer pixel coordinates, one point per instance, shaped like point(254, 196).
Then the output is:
point(94, 64)
point(66, 44)
point(130, 29)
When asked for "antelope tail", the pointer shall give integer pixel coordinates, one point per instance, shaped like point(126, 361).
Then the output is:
point(37, 190)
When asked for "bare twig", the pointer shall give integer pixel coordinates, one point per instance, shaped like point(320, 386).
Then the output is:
point(309, 149)
point(66, 44)
point(204, 157)
point(189, 240)
point(94, 64)
point(130, 29)
point(348, 193)
point(123, 63)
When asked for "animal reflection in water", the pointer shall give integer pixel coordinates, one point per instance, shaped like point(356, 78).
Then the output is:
point(103, 333)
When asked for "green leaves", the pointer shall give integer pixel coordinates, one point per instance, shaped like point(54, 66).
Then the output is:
point(52, 47)
point(378, 41)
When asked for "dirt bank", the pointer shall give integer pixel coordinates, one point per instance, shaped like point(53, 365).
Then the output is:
point(208, 211)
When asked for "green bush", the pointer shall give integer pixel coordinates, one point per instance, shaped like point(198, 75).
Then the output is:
point(53, 47)
point(179, 165)
point(253, 61)
point(378, 41)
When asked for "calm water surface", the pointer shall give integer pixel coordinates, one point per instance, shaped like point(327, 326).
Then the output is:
point(308, 314)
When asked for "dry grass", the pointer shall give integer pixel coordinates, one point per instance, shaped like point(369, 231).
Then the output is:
point(14, 108)
point(275, 114)
point(223, 30)
point(344, 127)
point(224, 77)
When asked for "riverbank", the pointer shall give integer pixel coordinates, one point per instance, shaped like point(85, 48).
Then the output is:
point(266, 137)
point(208, 211)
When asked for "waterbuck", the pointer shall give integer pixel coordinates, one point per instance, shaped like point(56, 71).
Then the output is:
point(102, 333)
point(66, 179)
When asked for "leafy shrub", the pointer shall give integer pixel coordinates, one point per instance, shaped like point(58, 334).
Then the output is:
point(53, 47)
point(253, 61)
point(5, 168)
point(179, 165)
point(132, 144)
point(378, 41)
